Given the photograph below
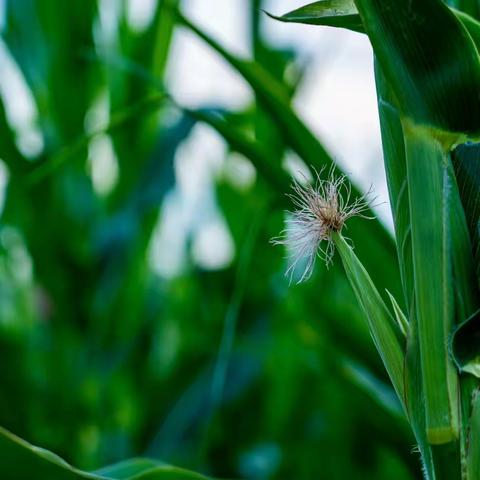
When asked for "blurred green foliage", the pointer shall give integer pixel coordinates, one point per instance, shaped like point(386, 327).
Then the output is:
point(229, 372)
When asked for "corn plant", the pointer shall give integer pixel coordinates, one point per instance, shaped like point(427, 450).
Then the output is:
point(427, 70)
point(103, 361)
point(86, 374)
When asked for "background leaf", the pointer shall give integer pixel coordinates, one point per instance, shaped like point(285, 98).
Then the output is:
point(19, 459)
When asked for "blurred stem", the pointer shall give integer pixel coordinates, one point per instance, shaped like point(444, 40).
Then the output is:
point(145, 106)
point(230, 324)
point(231, 316)
point(163, 36)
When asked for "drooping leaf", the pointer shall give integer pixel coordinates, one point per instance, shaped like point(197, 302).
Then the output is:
point(344, 14)
point(331, 13)
point(20, 460)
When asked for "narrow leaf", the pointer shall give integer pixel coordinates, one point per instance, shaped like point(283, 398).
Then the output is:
point(20, 460)
point(396, 172)
point(399, 315)
point(381, 324)
point(331, 13)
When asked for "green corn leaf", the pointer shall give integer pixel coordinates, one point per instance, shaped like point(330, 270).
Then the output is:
point(344, 14)
point(473, 453)
point(271, 171)
point(471, 24)
point(127, 468)
point(428, 88)
point(380, 321)
point(414, 396)
point(162, 26)
point(429, 60)
point(275, 98)
point(396, 173)
point(331, 13)
point(380, 392)
point(470, 7)
point(465, 345)
point(466, 162)
point(20, 460)
point(429, 186)
point(145, 106)
point(466, 338)
point(402, 321)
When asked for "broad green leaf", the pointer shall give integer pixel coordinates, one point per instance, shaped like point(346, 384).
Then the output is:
point(467, 300)
point(466, 162)
point(380, 321)
point(428, 59)
point(331, 13)
point(425, 51)
point(396, 171)
point(344, 14)
point(470, 7)
point(471, 24)
point(429, 187)
point(465, 339)
point(20, 460)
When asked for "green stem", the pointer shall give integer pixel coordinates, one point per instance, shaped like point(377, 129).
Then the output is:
point(428, 184)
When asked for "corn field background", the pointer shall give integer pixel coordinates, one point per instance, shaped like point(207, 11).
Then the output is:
point(131, 336)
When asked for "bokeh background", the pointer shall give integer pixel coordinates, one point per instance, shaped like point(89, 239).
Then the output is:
point(143, 310)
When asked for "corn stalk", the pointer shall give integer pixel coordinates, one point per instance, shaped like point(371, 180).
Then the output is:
point(428, 78)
